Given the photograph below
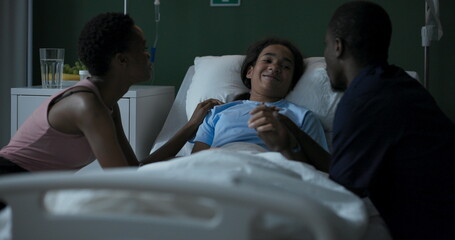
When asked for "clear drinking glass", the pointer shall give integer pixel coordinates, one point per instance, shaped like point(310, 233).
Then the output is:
point(51, 62)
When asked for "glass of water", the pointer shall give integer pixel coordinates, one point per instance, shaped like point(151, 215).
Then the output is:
point(51, 62)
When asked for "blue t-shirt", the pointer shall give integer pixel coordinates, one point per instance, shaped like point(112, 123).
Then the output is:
point(393, 144)
point(228, 123)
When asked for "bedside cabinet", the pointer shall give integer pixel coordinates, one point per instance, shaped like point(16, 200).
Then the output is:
point(143, 111)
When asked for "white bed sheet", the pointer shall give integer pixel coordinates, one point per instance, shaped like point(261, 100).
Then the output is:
point(267, 170)
point(236, 166)
point(247, 169)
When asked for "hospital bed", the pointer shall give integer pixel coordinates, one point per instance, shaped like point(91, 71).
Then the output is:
point(230, 193)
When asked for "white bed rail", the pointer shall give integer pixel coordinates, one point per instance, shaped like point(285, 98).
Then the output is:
point(238, 207)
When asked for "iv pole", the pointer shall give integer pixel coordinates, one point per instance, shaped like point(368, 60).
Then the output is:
point(431, 31)
point(427, 31)
point(157, 20)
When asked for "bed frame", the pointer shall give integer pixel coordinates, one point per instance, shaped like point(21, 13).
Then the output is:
point(236, 207)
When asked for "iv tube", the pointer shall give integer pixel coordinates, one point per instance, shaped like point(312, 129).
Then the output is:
point(157, 20)
point(157, 10)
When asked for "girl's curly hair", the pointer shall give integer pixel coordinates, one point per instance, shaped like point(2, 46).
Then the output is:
point(101, 38)
point(256, 48)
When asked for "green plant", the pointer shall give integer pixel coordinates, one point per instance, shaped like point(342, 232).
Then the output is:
point(78, 65)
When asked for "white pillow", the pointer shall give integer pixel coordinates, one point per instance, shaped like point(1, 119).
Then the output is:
point(313, 91)
point(215, 77)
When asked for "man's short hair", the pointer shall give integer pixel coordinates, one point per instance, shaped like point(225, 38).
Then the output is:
point(365, 29)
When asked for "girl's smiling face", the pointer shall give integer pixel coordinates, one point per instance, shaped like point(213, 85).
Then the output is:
point(271, 75)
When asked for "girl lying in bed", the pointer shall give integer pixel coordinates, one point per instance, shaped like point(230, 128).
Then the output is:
point(270, 70)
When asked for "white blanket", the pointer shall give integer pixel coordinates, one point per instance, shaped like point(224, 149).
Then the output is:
point(273, 171)
point(247, 167)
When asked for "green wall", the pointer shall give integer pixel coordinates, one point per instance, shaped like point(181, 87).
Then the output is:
point(191, 28)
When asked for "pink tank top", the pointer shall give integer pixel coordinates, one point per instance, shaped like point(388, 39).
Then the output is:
point(36, 146)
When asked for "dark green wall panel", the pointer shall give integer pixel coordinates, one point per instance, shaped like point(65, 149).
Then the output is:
point(191, 28)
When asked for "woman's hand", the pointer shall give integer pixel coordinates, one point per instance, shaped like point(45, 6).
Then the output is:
point(270, 129)
point(173, 146)
point(202, 109)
